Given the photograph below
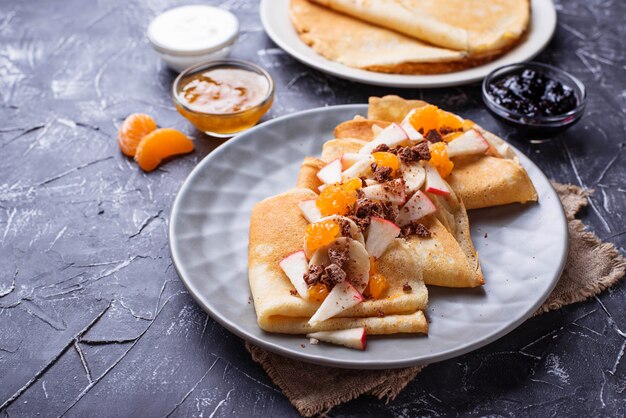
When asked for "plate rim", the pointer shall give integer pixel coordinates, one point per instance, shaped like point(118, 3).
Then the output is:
point(232, 327)
point(455, 78)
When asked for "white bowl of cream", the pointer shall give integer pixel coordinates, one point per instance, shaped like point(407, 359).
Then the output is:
point(187, 35)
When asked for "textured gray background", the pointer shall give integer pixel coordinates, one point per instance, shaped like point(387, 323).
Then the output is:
point(94, 320)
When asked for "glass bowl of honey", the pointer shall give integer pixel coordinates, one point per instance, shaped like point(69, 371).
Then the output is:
point(223, 97)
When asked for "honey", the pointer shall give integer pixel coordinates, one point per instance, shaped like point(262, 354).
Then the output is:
point(223, 100)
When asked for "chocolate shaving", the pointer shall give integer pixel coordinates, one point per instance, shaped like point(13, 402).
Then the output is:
point(412, 154)
point(329, 276)
point(395, 187)
point(381, 173)
point(422, 150)
point(313, 274)
point(334, 274)
point(381, 148)
point(293, 292)
point(407, 287)
point(433, 136)
point(339, 253)
point(408, 154)
point(362, 223)
point(346, 230)
point(445, 130)
point(366, 208)
point(415, 228)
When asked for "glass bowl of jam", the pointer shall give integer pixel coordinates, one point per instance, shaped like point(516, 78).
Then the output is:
point(538, 99)
point(223, 97)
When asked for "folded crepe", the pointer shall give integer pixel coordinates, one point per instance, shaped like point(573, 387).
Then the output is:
point(448, 258)
point(496, 178)
point(478, 26)
point(359, 44)
point(277, 229)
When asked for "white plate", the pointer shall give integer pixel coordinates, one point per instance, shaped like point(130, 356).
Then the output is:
point(522, 257)
point(275, 19)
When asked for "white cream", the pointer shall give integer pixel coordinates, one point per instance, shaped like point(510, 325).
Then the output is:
point(188, 35)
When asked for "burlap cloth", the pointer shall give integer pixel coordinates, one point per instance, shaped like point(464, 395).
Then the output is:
point(591, 267)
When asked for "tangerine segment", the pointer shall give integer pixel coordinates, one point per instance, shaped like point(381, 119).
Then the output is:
point(337, 199)
point(431, 117)
point(378, 285)
point(439, 158)
point(373, 266)
point(425, 118)
point(449, 121)
point(352, 185)
point(387, 159)
point(133, 129)
point(160, 144)
point(318, 292)
point(320, 234)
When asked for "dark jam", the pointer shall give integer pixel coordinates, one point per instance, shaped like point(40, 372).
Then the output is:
point(533, 94)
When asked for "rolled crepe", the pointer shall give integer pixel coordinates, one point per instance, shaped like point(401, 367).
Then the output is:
point(277, 230)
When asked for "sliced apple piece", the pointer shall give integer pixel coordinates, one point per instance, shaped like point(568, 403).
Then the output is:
point(348, 159)
point(380, 234)
point(330, 173)
point(434, 183)
point(353, 338)
point(418, 206)
point(410, 131)
point(342, 297)
point(358, 169)
point(391, 191)
point(414, 177)
point(310, 211)
point(391, 136)
point(471, 142)
point(503, 149)
point(295, 266)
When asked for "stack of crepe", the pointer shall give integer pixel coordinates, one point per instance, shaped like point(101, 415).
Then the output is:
point(411, 36)
point(446, 258)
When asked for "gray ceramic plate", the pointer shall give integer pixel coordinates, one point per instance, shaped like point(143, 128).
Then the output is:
point(522, 254)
